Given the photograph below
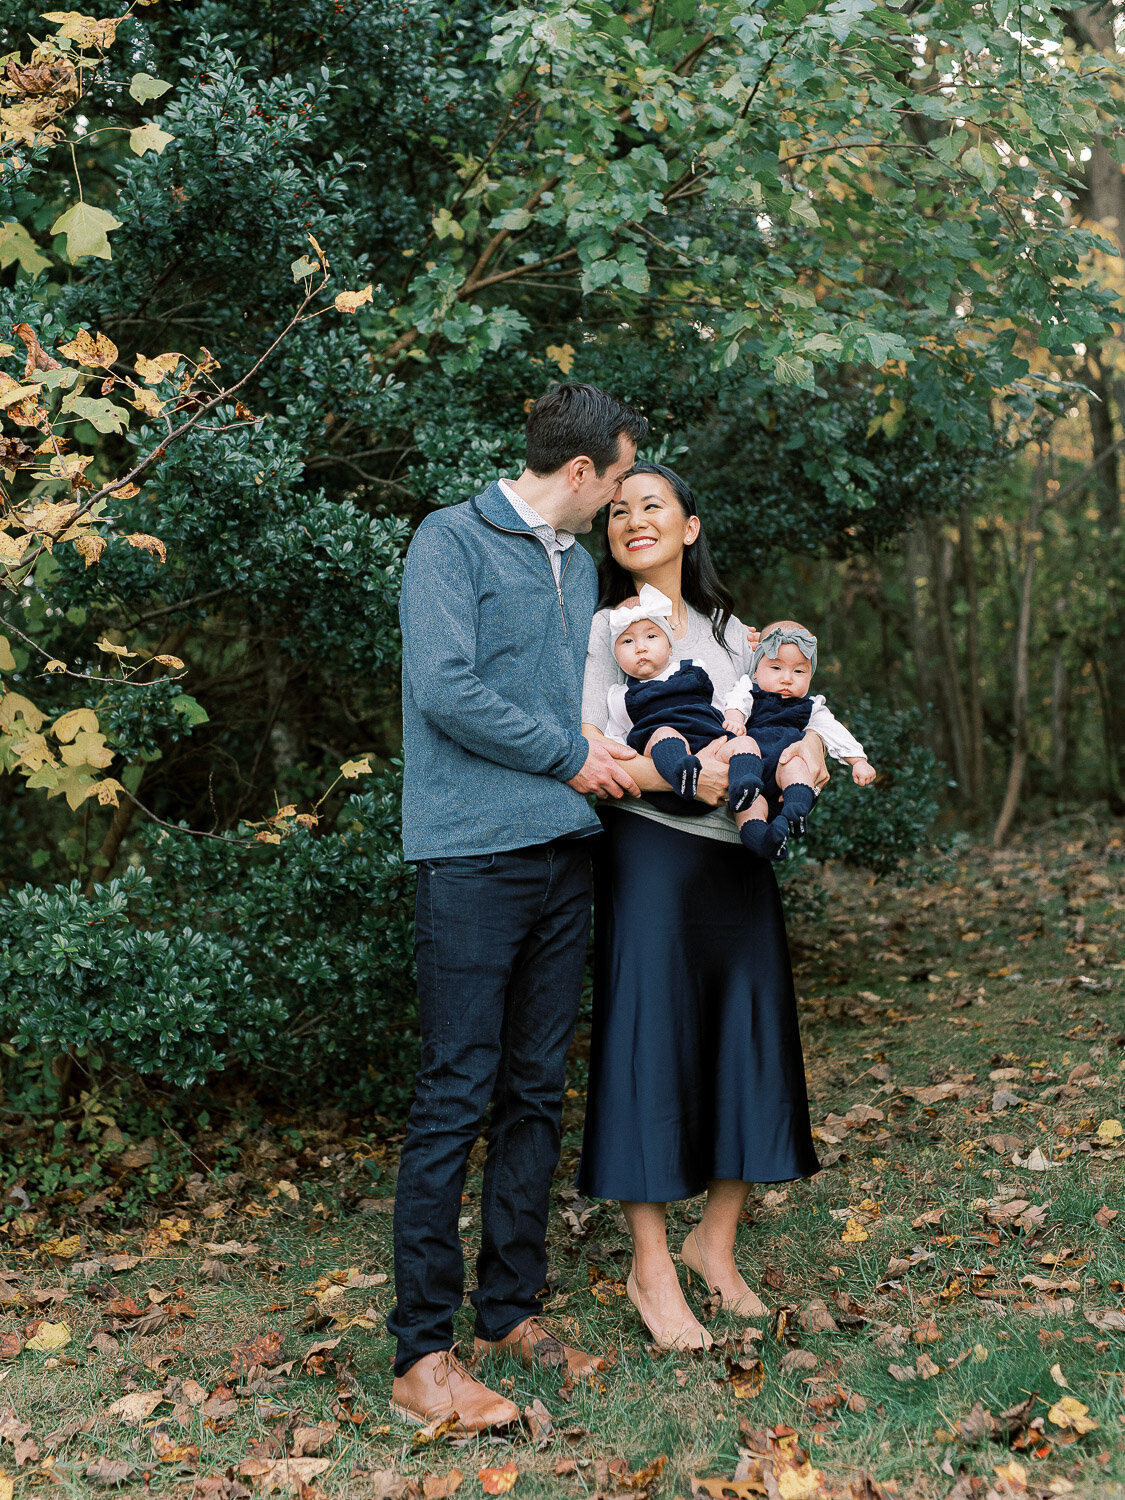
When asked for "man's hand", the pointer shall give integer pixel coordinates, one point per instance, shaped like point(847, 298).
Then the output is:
point(714, 776)
point(601, 773)
point(863, 772)
point(811, 751)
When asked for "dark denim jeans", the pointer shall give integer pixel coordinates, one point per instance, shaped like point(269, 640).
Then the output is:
point(500, 941)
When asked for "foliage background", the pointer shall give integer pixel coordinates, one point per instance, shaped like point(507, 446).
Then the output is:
point(846, 258)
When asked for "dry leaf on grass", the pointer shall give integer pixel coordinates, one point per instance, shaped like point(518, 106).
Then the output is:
point(109, 1471)
point(498, 1481)
point(10, 1345)
point(49, 1336)
point(539, 1423)
point(310, 1440)
point(798, 1359)
point(263, 1349)
point(1067, 1412)
point(167, 1448)
point(282, 1473)
point(441, 1486)
point(815, 1317)
point(136, 1407)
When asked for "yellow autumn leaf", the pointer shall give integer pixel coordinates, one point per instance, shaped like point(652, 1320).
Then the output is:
point(64, 1249)
point(7, 660)
point(90, 547)
point(107, 790)
point(111, 650)
point(87, 750)
point(146, 543)
point(92, 350)
point(803, 1483)
point(7, 1486)
point(854, 1233)
point(87, 31)
point(347, 302)
point(353, 768)
point(169, 661)
point(1109, 1130)
point(55, 665)
point(49, 1336)
point(1068, 1412)
point(15, 706)
point(153, 371)
point(126, 491)
point(562, 355)
point(73, 722)
point(148, 402)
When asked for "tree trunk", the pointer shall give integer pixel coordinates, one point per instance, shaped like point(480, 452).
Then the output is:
point(1060, 719)
point(941, 549)
point(1094, 26)
point(974, 708)
point(916, 569)
point(1020, 672)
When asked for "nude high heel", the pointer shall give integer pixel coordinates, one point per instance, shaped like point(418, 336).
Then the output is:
point(692, 1336)
point(748, 1305)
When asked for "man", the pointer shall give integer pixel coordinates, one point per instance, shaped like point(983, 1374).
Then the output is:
point(497, 601)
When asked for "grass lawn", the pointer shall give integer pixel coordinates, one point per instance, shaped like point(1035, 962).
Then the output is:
point(947, 1296)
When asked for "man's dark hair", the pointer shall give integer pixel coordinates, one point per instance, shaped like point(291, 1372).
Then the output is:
point(569, 419)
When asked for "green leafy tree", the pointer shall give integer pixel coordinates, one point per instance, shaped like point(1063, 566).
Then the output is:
point(807, 240)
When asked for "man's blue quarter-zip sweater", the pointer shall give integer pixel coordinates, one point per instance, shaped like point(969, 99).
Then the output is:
point(493, 655)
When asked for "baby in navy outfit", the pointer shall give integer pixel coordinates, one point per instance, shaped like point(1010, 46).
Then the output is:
point(772, 705)
point(666, 709)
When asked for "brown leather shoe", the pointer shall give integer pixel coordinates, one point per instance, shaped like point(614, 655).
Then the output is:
point(533, 1344)
point(439, 1386)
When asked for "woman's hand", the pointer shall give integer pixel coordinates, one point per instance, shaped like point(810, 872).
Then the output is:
point(811, 751)
point(714, 777)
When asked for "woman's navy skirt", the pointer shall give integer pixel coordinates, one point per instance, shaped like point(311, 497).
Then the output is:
point(696, 1070)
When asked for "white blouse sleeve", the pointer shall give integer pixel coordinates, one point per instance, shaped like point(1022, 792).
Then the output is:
point(839, 741)
point(741, 696)
point(619, 723)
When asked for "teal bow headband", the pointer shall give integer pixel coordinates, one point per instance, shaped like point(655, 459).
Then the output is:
point(772, 642)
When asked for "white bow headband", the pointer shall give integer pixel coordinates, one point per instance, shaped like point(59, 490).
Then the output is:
point(652, 605)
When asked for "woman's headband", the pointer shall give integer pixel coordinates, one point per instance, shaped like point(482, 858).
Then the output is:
point(783, 635)
point(651, 605)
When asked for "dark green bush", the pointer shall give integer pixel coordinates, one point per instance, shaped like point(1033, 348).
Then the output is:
point(291, 963)
point(885, 826)
point(81, 976)
point(321, 926)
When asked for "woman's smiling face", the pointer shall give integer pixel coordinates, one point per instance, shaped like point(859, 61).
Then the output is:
point(647, 529)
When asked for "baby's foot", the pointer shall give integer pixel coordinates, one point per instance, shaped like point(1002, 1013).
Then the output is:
point(680, 769)
point(745, 773)
point(766, 840)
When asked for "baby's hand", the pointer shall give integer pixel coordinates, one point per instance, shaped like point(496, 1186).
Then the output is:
point(733, 721)
point(863, 772)
point(753, 636)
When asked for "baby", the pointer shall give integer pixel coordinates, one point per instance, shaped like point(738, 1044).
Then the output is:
point(772, 703)
point(666, 709)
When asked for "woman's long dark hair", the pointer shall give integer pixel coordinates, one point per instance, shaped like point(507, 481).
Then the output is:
point(699, 583)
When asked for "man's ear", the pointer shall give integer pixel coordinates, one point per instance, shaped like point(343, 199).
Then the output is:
point(578, 470)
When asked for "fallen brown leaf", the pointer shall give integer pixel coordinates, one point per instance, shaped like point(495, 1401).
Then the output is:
point(136, 1407)
point(539, 1423)
point(441, 1486)
point(282, 1473)
point(310, 1440)
point(109, 1470)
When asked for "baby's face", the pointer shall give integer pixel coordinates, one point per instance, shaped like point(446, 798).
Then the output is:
point(788, 673)
point(642, 650)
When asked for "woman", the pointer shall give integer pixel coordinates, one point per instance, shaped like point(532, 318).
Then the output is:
point(696, 1076)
